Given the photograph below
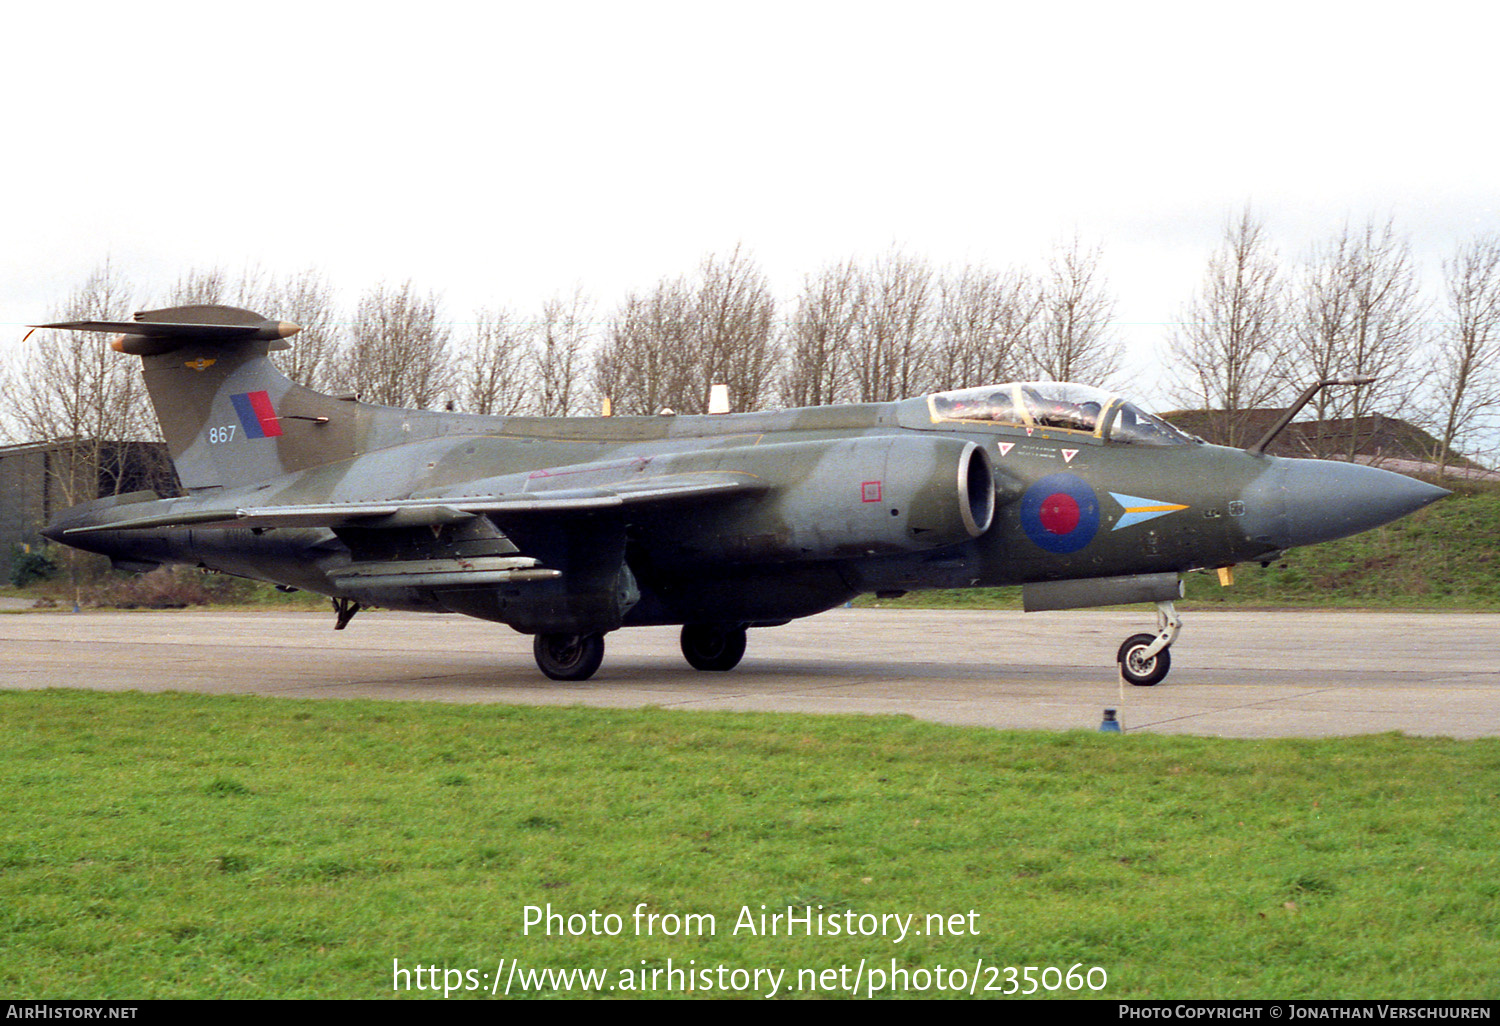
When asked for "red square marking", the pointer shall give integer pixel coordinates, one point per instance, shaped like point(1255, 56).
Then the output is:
point(869, 491)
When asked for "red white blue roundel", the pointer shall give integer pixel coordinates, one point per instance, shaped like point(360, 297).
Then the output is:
point(1060, 513)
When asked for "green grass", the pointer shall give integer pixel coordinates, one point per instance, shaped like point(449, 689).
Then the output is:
point(169, 845)
point(175, 588)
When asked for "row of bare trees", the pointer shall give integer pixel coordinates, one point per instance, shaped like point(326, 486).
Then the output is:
point(1255, 332)
point(859, 332)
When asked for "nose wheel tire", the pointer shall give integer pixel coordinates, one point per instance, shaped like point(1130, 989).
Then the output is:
point(568, 656)
point(713, 646)
point(1138, 668)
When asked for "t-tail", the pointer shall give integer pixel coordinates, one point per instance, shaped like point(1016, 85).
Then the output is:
point(228, 415)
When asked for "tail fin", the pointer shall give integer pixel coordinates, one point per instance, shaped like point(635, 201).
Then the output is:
point(228, 415)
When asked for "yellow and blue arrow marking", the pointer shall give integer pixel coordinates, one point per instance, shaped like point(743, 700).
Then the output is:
point(1139, 510)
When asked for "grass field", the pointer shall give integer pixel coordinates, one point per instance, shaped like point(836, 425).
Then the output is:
point(171, 845)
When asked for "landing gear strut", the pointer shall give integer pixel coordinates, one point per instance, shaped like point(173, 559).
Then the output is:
point(343, 611)
point(1144, 658)
point(713, 646)
point(568, 656)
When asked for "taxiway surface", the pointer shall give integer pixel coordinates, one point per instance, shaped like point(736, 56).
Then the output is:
point(1234, 674)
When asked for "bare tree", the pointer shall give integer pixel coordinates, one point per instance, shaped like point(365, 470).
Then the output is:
point(647, 361)
point(396, 353)
point(888, 345)
point(559, 346)
point(1073, 340)
point(70, 386)
point(305, 298)
point(666, 347)
point(983, 321)
point(1465, 378)
point(498, 366)
point(734, 320)
point(200, 286)
point(1228, 354)
point(818, 338)
point(1361, 316)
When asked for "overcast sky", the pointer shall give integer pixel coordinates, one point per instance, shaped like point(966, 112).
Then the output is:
point(504, 152)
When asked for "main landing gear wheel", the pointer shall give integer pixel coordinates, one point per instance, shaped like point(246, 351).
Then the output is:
point(1137, 667)
point(713, 646)
point(568, 656)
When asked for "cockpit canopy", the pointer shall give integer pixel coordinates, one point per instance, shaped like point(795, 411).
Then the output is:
point(1055, 406)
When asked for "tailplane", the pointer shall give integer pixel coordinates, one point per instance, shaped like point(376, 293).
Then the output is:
point(228, 415)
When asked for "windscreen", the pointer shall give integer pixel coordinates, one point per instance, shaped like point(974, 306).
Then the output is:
point(1055, 406)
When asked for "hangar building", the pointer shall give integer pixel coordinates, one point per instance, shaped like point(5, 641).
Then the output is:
point(38, 479)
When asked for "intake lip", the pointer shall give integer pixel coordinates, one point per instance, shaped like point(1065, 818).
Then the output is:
point(976, 490)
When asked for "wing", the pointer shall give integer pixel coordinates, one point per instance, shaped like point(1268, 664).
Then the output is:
point(448, 508)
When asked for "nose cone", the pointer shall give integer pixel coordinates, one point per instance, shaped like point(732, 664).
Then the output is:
point(63, 522)
point(1303, 502)
point(54, 531)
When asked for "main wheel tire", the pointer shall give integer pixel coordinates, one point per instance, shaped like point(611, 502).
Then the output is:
point(568, 656)
point(713, 646)
point(1140, 671)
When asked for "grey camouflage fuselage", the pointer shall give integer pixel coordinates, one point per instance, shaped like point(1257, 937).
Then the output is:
point(580, 526)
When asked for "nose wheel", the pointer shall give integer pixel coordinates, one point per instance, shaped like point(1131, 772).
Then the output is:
point(1144, 658)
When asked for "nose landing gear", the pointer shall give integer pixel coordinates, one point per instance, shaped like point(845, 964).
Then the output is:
point(1144, 658)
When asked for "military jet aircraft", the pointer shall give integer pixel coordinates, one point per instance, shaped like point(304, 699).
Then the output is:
point(569, 528)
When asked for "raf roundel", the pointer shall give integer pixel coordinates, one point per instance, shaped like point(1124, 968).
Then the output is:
point(1060, 513)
